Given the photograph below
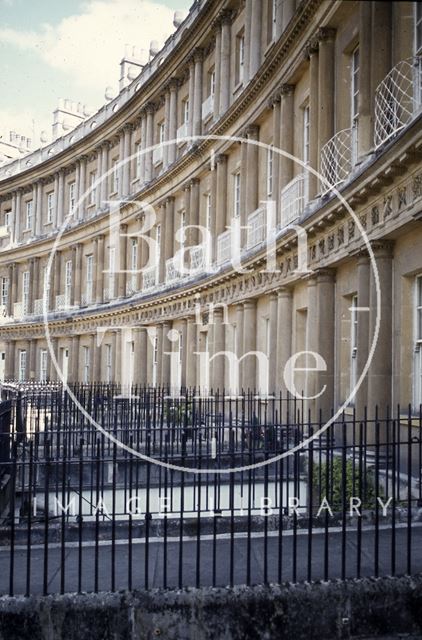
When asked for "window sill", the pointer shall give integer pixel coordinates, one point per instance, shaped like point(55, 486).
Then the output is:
point(238, 87)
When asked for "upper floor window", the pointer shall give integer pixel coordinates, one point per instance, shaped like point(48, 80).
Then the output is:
point(208, 211)
point(72, 196)
point(87, 364)
point(134, 262)
point(240, 57)
point(109, 363)
point(89, 277)
point(161, 132)
point(211, 82)
point(25, 292)
point(185, 111)
point(8, 219)
point(236, 194)
point(418, 27)
point(138, 160)
point(92, 187)
point(270, 158)
point(115, 177)
point(305, 153)
point(4, 291)
point(50, 206)
point(272, 16)
point(68, 282)
point(355, 85)
point(29, 214)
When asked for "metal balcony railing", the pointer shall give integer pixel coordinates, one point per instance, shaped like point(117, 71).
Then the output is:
point(398, 99)
point(18, 311)
point(182, 132)
point(173, 269)
point(208, 107)
point(224, 247)
point(63, 301)
point(197, 258)
point(157, 155)
point(338, 157)
point(86, 297)
point(131, 287)
point(293, 198)
point(256, 227)
point(4, 231)
point(150, 278)
point(39, 306)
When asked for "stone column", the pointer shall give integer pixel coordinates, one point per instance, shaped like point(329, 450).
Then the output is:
point(197, 97)
point(218, 345)
point(325, 345)
point(34, 209)
point(56, 200)
point(16, 274)
point(239, 345)
point(248, 22)
point(127, 135)
point(326, 75)
point(185, 353)
point(143, 147)
point(225, 62)
point(114, 356)
point(141, 350)
point(82, 187)
point(274, 104)
point(60, 199)
point(38, 213)
point(121, 137)
point(10, 294)
point(17, 200)
point(169, 228)
point(380, 62)
point(194, 211)
point(365, 103)
point(284, 336)
point(122, 261)
point(191, 348)
point(191, 97)
point(363, 273)
point(251, 195)
point(32, 291)
point(10, 361)
point(104, 178)
point(32, 359)
point(96, 352)
point(74, 359)
point(312, 52)
point(172, 126)
point(162, 247)
point(150, 109)
point(117, 355)
point(218, 68)
point(380, 370)
point(165, 358)
point(272, 355)
point(255, 41)
point(286, 133)
point(249, 344)
point(52, 373)
point(99, 270)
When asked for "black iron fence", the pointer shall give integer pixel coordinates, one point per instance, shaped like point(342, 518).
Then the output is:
point(153, 490)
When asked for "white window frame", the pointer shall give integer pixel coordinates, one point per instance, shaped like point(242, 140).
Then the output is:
point(68, 282)
point(72, 198)
point(112, 271)
point(208, 211)
point(109, 363)
point(25, 293)
point(353, 343)
point(4, 291)
point(138, 160)
point(306, 131)
point(418, 25)
point(87, 364)
point(43, 365)
point(158, 247)
point(29, 214)
point(92, 188)
point(212, 82)
point(185, 111)
point(236, 194)
point(7, 219)
point(270, 166)
point(134, 262)
point(115, 177)
point(241, 57)
point(89, 277)
point(50, 206)
point(154, 360)
point(22, 365)
point(354, 100)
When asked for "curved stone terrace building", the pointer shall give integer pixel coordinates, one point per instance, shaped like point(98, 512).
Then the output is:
point(338, 86)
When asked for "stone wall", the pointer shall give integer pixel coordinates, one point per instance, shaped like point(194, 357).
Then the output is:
point(307, 611)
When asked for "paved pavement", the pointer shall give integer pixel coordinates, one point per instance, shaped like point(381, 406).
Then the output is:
point(167, 562)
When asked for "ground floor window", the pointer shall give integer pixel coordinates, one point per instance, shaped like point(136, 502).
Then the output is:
point(417, 367)
point(43, 365)
point(22, 365)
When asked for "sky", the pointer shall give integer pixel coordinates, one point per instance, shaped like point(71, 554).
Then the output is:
point(51, 49)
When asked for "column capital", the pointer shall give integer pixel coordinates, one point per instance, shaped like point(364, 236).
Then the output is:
point(220, 158)
point(286, 89)
point(325, 275)
point(198, 55)
point(172, 84)
point(285, 292)
point(169, 200)
point(274, 99)
point(194, 182)
point(382, 248)
point(311, 48)
point(326, 34)
point(252, 131)
point(150, 107)
point(250, 303)
point(99, 238)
